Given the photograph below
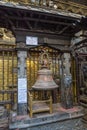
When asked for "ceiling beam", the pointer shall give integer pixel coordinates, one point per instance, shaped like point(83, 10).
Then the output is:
point(63, 30)
point(35, 19)
point(28, 24)
point(47, 32)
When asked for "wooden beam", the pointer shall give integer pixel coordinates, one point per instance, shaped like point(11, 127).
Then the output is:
point(34, 19)
point(47, 32)
point(28, 24)
point(63, 30)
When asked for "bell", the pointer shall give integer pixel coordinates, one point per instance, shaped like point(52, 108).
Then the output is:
point(44, 78)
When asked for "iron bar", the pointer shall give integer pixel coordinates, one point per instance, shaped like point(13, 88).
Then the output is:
point(3, 73)
point(8, 72)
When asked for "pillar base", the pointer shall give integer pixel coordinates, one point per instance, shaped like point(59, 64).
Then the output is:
point(22, 109)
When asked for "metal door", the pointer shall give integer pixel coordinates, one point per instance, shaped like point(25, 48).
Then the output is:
point(8, 75)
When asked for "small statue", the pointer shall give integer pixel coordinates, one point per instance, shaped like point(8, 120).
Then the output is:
point(44, 59)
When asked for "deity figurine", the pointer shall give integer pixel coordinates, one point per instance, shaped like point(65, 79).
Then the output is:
point(45, 59)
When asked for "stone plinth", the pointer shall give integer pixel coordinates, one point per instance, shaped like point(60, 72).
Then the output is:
point(60, 119)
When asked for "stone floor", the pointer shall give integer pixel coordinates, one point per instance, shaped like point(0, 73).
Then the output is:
point(60, 119)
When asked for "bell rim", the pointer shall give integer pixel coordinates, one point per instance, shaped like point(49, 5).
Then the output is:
point(43, 88)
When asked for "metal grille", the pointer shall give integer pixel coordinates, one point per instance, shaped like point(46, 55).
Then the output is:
point(73, 72)
point(8, 75)
point(33, 66)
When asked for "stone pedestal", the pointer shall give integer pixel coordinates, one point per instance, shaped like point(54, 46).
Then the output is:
point(61, 119)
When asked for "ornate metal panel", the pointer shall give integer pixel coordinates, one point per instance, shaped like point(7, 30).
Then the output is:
point(74, 80)
point(8, 74)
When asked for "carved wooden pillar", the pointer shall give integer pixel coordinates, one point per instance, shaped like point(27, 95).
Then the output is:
point(22, 83)
point(66, 82)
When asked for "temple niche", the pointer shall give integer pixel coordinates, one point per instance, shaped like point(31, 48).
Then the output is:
point(6, 35)
point(35, 52)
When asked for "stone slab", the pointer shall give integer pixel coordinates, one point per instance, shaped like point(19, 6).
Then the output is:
point(60, 119)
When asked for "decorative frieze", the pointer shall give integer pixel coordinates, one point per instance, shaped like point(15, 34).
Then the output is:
point(71, 7)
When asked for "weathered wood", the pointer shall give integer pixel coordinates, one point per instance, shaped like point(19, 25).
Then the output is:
point(36, 21)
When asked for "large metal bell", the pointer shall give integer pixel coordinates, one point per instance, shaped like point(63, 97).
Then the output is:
point(44, 80)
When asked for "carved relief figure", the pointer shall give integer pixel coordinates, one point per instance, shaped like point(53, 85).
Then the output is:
point(6, 35)
point(44, 59)
point(68, 91)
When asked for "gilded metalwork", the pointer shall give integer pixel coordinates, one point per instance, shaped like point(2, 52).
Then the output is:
point(73, 72)
point(45, 59)
point(8, 74)
point(36, 106)
point(6, 35)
